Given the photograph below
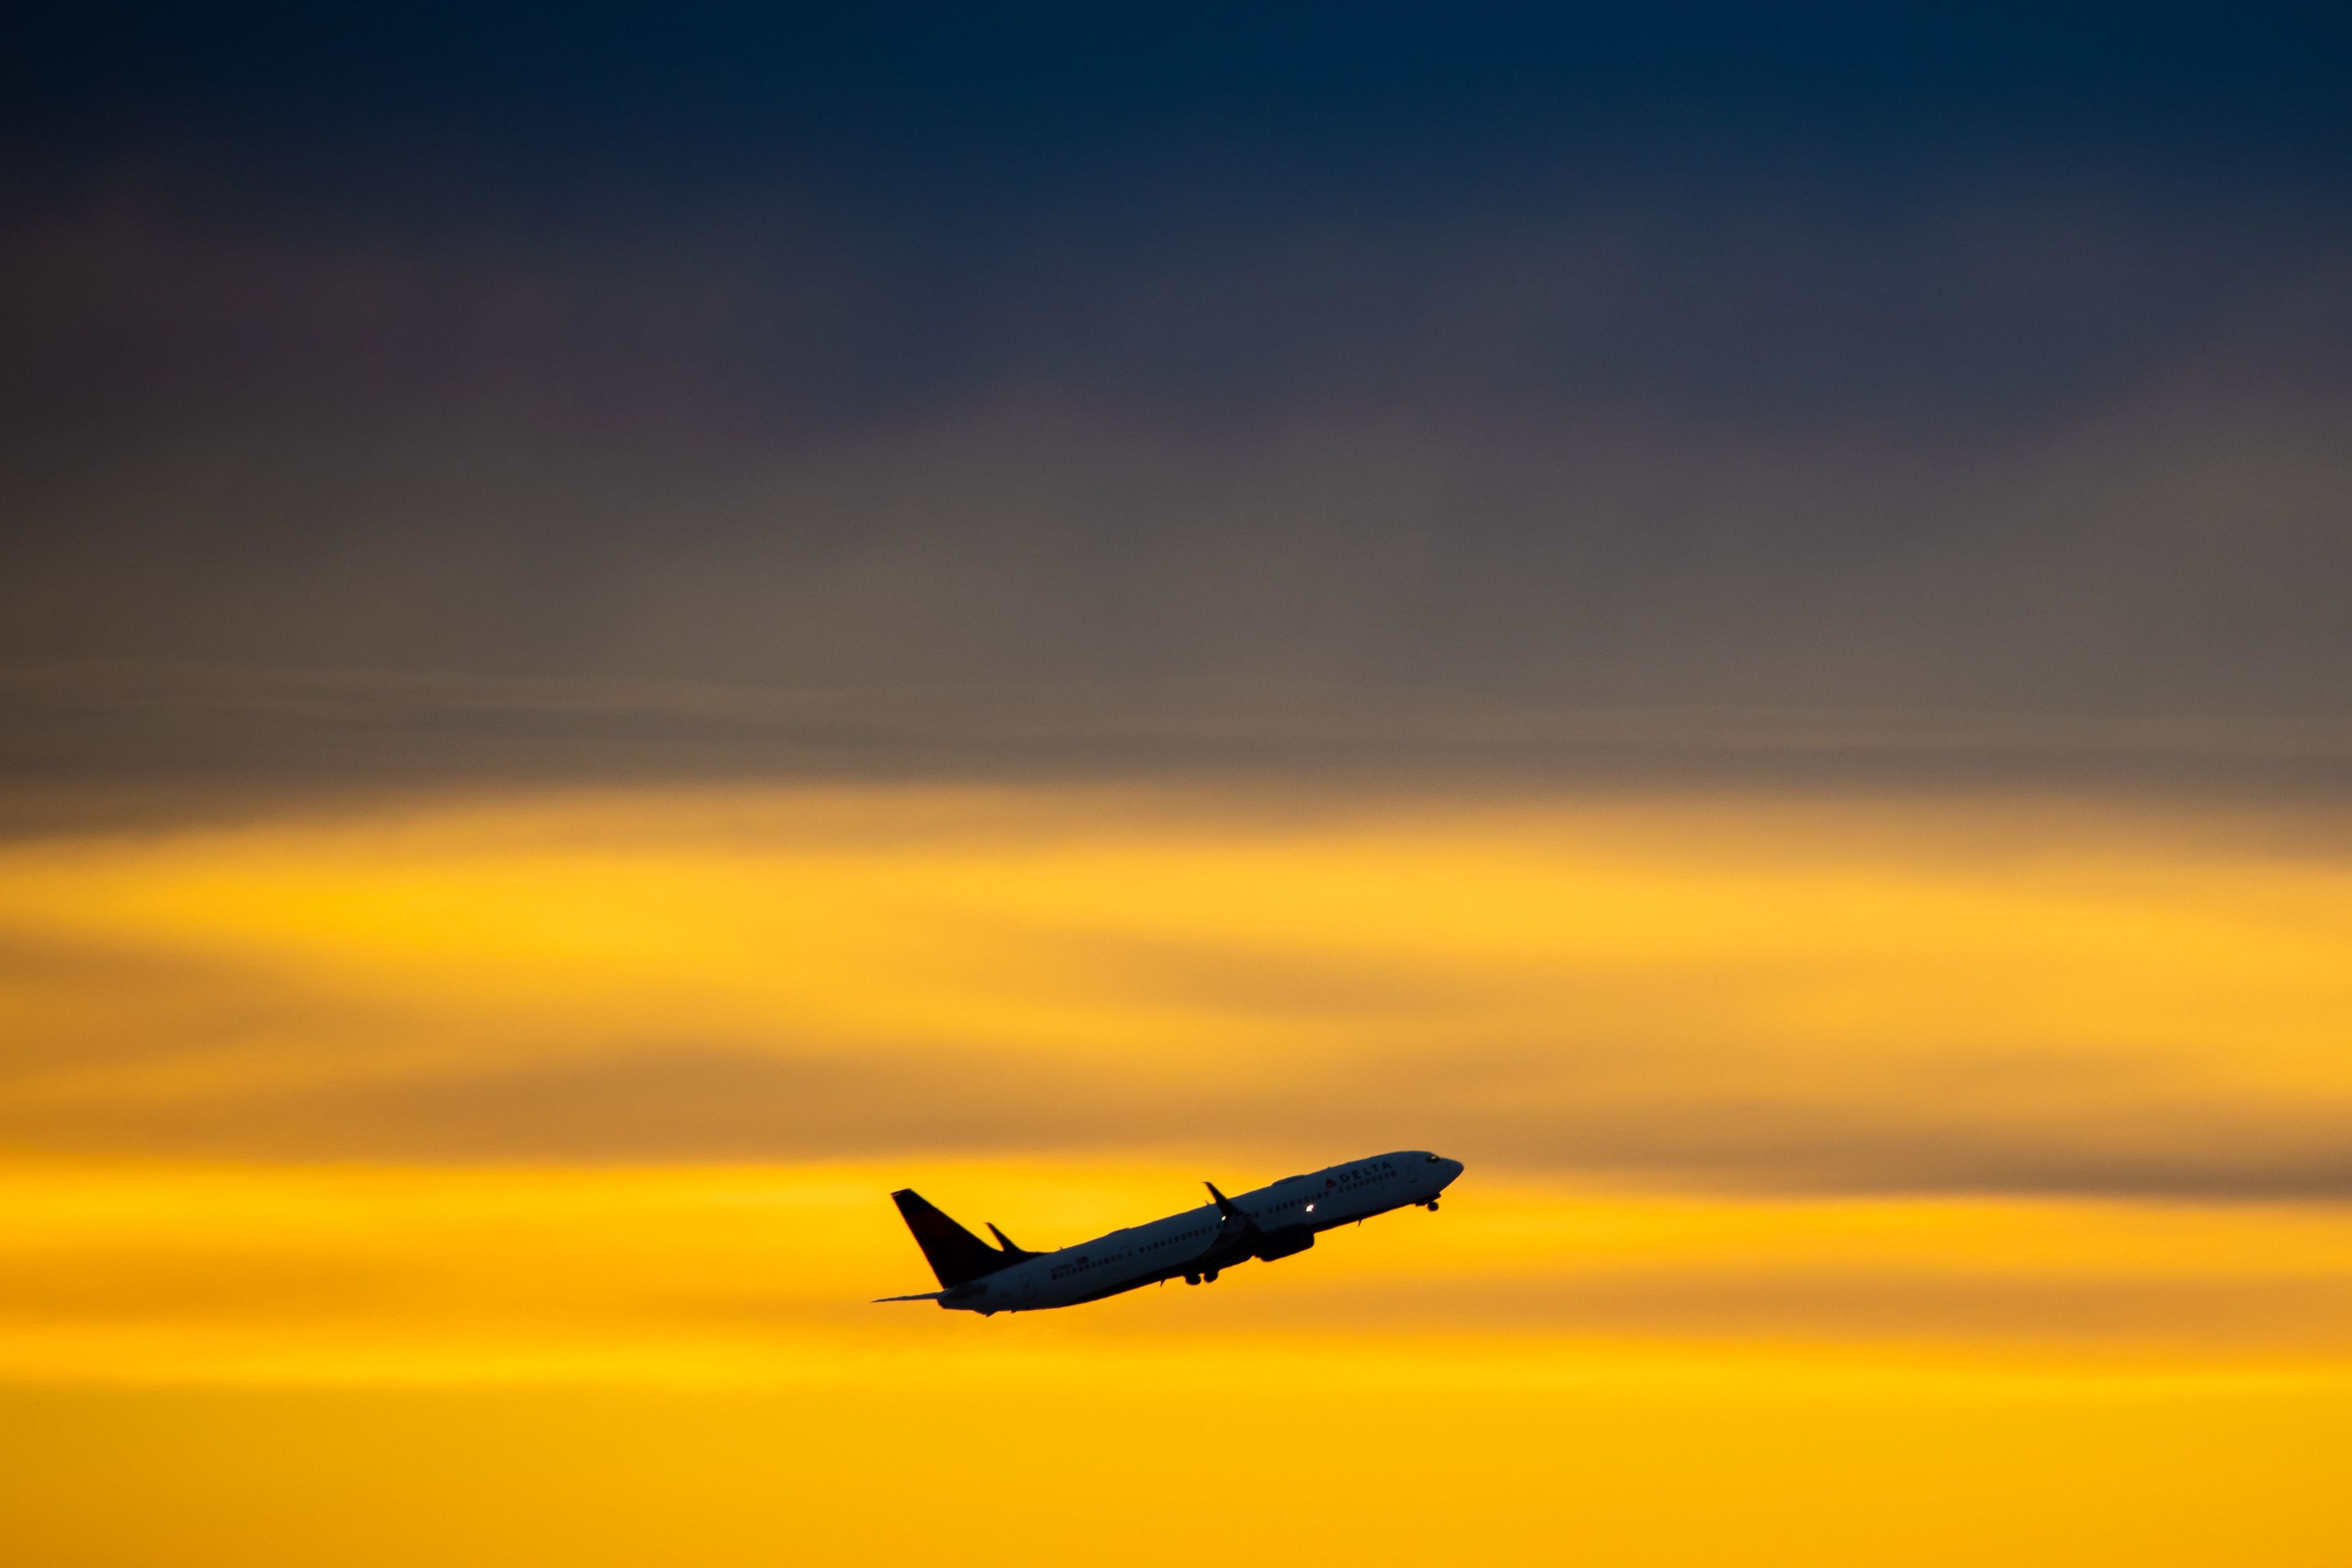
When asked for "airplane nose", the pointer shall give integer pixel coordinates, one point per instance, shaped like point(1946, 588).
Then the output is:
point(1452, 1168)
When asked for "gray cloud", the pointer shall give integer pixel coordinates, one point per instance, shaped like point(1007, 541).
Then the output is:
point(2066, 1126)
point(1845, 1304)
point(120, 744)
point(757, 485)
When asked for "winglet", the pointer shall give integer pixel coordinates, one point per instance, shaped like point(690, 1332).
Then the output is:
point(1224, 1205)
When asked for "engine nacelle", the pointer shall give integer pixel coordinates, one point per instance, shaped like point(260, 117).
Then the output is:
point(1283, 1243)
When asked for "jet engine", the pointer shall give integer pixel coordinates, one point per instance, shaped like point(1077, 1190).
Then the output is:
point(1283, 1242)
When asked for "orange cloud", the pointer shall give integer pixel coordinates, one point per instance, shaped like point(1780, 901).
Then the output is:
point(1954, 995)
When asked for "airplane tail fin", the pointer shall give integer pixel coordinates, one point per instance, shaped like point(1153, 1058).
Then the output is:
point(955, 1254)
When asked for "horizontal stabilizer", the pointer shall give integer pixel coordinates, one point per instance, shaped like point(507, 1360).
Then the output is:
point(924, 1296)
point(1017, 1254)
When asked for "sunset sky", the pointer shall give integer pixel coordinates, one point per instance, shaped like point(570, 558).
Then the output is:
point(620, 634)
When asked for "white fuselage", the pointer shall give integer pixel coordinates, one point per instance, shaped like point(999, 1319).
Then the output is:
point(1271, 1222)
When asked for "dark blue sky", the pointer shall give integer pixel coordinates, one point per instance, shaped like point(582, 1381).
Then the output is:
point(1034, 93)
point(1049, 371)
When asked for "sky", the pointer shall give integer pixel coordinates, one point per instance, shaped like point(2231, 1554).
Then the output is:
point(622, 633)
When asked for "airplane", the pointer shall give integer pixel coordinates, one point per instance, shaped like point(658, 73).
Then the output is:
point(1277, 1222)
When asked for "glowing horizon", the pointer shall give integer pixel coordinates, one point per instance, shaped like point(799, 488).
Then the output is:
point(1940, 1117)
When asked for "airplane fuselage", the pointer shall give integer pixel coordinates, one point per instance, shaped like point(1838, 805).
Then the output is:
point(1274, 1221)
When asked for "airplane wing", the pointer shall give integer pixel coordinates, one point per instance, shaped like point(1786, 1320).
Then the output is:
point(1237, 1224)
point(1240, 1236)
